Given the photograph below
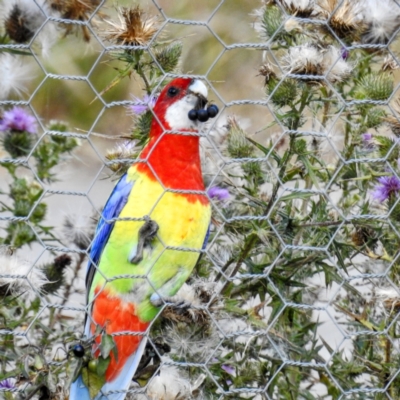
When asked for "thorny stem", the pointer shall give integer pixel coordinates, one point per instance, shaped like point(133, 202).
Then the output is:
point(248, 246)
point(325, 223)
point(223, 269)
point(34, 391)
point(143, 76)
point(289, 383)
point(303, 103)
point(388, 349)
point(138, 68)
point(281, 174)
point(70, 285)
point(325, 116)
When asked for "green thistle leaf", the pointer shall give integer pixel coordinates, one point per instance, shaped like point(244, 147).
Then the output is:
point(385, 145)
point(107, 345)
point(373, 117)
point(92, 381)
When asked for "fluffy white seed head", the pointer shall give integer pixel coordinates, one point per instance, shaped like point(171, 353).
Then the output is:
point(304, 59)
point(78, 229)
point(169, 384)
point(15, 73)
point(299, 5)
point(382, 18)
point(18, 276)
point(32, 16)
point(333, 66)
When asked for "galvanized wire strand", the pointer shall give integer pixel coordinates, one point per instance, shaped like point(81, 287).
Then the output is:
point(225, 161)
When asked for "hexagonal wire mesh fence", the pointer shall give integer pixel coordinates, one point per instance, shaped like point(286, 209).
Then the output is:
point(293, 293)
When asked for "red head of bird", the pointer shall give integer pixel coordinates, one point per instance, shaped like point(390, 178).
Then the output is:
point(172, 154)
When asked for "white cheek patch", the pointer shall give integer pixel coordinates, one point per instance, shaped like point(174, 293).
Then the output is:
point(177, 114)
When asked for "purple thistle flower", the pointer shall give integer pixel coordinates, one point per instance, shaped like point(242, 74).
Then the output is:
point(388, 186)
point(366, 137)
point(218, 193)
point(18, 119)
point(368, 141)
point(149, 101)
point(228, 369)
point(344, 53)
point(8, 383)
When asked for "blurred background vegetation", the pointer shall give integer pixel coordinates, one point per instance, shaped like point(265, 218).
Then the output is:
point(233, 74)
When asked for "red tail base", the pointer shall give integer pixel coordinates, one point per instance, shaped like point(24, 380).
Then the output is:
point(115, 315)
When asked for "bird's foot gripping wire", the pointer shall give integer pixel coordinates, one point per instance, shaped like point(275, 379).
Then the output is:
point(146, 234)
point(157, 301)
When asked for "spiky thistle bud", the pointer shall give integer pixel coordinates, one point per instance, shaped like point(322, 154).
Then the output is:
point(238, 145)
point(375, 86)
point(282, 93)
point(168, 57)
point(271, 21)
point(55, 273)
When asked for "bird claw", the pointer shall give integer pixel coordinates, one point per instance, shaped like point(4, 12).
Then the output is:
point(147, 232)
point(157, 301)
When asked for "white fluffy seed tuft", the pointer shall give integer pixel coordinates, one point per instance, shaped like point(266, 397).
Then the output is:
point(334, 67)
point(18, 276)
point(382, 18)
point(15, 74)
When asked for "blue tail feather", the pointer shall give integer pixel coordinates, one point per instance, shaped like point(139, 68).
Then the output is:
point(80, 392)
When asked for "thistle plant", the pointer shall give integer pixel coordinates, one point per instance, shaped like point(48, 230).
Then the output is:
point(296, 295)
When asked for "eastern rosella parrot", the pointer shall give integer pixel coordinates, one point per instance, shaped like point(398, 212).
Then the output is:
point(149, 238)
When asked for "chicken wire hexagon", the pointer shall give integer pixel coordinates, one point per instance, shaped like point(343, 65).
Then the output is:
point(377, 183)
point(75, 89)
point(285, 220)
point(362, 251)
point(365, 377)
point(76, 58)
point(251, 292)
point(69, 151)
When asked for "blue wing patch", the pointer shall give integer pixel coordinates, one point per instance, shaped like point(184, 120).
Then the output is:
point(116, 202)
point(206, 237)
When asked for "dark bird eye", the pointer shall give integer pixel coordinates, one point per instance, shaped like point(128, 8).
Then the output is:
point(172, 91)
